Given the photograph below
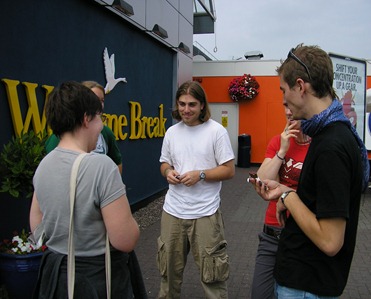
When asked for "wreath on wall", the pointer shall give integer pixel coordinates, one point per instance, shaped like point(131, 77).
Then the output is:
point(243, 88)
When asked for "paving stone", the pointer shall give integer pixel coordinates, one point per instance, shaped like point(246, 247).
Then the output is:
point(243, 214)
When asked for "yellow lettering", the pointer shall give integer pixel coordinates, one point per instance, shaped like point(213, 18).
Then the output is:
point(115, 123)
point(157, 127)
point(123, 122)
point(15, 109)
point(150, 122)
point(111, 122)
point(33, 108)
point(140, 127)
point(162, 121)
point(136, 124)
point(144, 125)
point(48, 90)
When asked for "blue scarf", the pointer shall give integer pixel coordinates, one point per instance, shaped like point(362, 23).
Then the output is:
point(335, 113)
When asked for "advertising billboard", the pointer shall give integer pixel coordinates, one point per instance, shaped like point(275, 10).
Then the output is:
point(350, 86)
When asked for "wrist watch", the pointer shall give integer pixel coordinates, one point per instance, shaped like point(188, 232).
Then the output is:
point(202, 175)
point(284, 195)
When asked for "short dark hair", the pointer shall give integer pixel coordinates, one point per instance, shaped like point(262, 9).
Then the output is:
point(319, 66)
point(194, 89)
point(67, 105)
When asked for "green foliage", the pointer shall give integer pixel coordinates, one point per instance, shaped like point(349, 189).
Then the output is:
point(18, 162)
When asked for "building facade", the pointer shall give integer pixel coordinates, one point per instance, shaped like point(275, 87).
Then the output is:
point(146, 42)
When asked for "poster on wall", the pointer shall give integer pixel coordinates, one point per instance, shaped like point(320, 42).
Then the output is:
point(350, 87)
point(368, 120)
point(225, 119)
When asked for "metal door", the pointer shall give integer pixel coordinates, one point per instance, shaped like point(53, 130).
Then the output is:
point(227, 115)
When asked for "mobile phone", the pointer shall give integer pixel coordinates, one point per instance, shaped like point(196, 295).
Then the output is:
point(253, 175)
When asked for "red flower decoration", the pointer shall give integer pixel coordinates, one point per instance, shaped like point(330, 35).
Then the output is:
point(243, 88)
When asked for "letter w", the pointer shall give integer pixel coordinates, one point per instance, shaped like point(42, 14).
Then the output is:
point(33, 109)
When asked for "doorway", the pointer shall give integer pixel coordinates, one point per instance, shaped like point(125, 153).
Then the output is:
point(227, 115)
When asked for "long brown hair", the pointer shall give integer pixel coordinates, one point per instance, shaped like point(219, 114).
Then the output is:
point(194, 89)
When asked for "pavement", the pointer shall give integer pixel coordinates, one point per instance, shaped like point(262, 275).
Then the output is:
point(243, 213)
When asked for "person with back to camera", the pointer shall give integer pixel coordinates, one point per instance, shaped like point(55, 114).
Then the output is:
point(74, 113)
point(283, 162)
point(316, 246)
point(106, 143)
point(196, 157)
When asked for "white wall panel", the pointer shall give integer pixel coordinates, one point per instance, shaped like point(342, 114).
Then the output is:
point(235, 68)
point(162, 13)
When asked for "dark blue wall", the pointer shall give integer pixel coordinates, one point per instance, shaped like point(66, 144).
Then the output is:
point(48, 42)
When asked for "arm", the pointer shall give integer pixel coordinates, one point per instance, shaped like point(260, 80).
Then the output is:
point(269, 169)
point(271, 165)
point(169, 173)
point(113, 149)
point(222, 172)
point(122, 229)
point(120, 168)
point(35, 213)
point(327, 234)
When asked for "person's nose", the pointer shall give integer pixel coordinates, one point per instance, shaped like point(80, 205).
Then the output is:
point(288, 112)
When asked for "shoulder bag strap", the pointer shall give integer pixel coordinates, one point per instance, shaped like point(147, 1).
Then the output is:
point(108, 268)
point(71, 245)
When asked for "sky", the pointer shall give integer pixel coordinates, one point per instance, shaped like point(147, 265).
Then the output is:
point(275, 26)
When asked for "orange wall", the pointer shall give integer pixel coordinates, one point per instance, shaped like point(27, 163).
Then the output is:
point(261, 118)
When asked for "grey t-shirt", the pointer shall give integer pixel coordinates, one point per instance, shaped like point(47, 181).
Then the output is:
point(99, 183)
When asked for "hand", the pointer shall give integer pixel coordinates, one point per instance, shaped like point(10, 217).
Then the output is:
point(288, 133)
point(173, 177)
point(190, 178)
point(268, 189)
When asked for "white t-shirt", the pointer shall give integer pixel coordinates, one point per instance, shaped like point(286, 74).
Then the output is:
point(101, 147)
point(187, 148)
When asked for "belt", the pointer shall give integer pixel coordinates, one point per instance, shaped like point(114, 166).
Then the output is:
point(272, 231)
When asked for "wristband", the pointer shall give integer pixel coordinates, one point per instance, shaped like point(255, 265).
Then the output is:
point(282, 159)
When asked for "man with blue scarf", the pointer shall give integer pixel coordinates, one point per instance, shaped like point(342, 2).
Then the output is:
point(317, 244)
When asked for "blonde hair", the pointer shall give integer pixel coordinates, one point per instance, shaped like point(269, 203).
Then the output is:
point(92, 84)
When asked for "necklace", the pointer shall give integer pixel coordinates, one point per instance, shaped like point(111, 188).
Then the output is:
point(305, 140)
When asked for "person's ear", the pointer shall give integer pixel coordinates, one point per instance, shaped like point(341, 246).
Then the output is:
point(301, 83)
point(86, 120)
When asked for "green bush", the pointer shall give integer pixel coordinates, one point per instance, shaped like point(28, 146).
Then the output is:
point(18, 162)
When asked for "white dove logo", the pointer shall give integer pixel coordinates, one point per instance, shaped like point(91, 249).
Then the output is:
point(109, 66)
